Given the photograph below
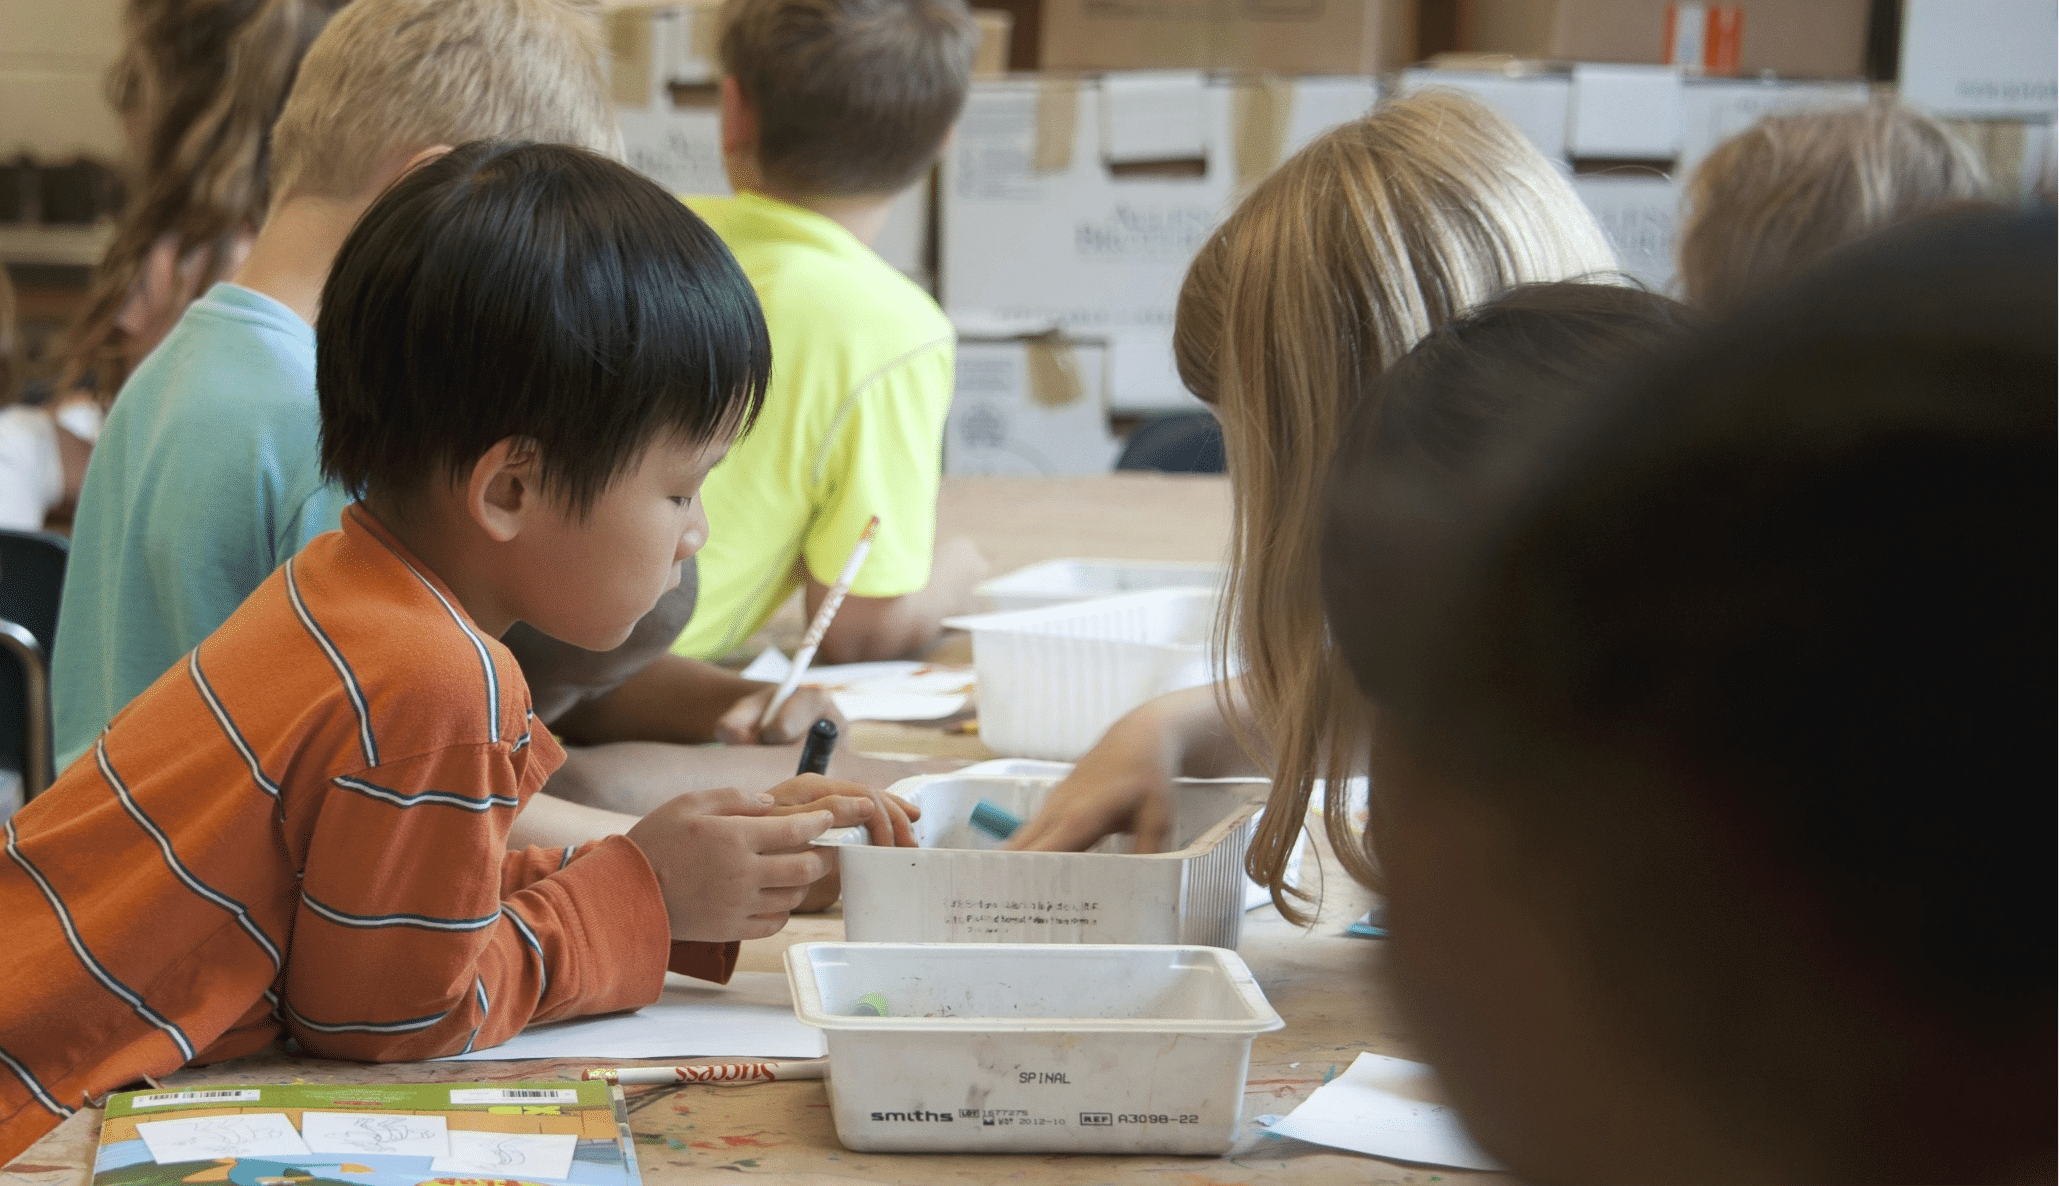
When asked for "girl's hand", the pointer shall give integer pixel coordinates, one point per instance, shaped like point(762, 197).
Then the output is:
point(738, 724)
point(1124, 784)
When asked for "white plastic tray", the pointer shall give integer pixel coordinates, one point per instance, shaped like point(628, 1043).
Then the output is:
point(1052, 680)
point(954, 888)
point(1057, 582)
point(1019, 1049)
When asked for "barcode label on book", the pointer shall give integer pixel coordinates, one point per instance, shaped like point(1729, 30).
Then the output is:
point(514, 1095)
point(240, 1096)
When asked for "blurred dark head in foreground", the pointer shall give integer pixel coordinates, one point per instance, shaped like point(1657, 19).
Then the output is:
point(1714, 752)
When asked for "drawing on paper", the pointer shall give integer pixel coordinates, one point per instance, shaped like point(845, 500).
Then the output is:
point(377, 1134)
point(386, 1133)
point(509, 1155)
point(228, 1137)
point(206, 1138)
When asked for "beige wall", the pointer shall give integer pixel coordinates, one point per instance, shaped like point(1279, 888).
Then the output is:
point(54, 56)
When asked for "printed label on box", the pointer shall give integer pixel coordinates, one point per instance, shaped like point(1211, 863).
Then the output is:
point(1704, 37)
point(1027, 407)
point(1641, 217)
point(1040, 231)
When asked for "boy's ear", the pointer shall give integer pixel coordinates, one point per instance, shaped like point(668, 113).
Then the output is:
point(422, 158)
point(397, 166)
point(503, 492)
point(739, 120)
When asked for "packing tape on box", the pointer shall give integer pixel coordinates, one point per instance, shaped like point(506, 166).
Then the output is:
point(1058, 113)
point(630, 55)
point(1053, 370)
point(996, 26)
point(1260, 110)
point(706, 37)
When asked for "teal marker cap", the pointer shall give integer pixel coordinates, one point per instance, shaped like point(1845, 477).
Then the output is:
point(994, 820)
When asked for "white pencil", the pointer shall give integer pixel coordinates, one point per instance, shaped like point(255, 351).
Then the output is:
point(820, 626)
point(718, 1072)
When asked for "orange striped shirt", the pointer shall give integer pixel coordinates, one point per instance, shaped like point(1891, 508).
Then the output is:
point(301, 828)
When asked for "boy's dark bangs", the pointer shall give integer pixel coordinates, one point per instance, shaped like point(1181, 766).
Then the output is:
point(694, 346)
point(507, 277)
point(651, 316)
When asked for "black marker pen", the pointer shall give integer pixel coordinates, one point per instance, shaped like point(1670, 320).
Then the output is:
point(821, 742)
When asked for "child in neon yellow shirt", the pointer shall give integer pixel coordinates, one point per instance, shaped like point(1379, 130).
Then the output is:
point(817, 147)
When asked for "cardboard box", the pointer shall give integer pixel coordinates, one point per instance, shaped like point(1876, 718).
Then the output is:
point(1624, 112)
point(1289, 36)
point(1025, 31)
point(996, 27)
point(1796, 38)
point(1142, 376)
point(1988, 59)
point(1540, 105)
point(680, 148)
point(54, 56)
point(1059, 208)
point(1713, 110)
point(1640, 213)
point(1029, 406)
point(652, 47)
point(1710, 110)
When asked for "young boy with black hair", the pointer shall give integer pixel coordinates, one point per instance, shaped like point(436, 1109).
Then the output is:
point(830, 108)
point(301, 828)
point(1713, 756)
point(207, 478)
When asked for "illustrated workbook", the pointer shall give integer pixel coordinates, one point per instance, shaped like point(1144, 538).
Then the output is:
point(403, 1134)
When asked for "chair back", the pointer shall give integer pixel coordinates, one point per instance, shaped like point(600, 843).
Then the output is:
point(1183, 443)
point(31, 586)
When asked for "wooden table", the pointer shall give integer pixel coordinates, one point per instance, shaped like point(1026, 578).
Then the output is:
point(1130, 516)
point(1020, 521)
point(1327, 985)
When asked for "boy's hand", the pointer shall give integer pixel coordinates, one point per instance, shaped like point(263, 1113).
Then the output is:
point(738, 725)
point(1126, 783)
point(735, 875)
point(886, 817)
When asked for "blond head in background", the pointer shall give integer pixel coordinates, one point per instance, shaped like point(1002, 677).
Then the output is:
point(1788, 190)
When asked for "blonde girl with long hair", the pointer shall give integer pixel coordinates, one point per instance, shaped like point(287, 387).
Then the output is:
point(1368, 239)
point(198, 86)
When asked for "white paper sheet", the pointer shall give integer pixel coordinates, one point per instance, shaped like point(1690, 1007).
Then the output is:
point(205, 1138)
point(1387, 1107)
point(891, 691)
point(517, 1155)
point(399, 1133)
point(750, 1017)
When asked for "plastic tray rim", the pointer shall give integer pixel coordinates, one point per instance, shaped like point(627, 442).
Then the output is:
point(1203, 844)
point(809, 1010)
point(1014, 620)
point(1000, 584)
